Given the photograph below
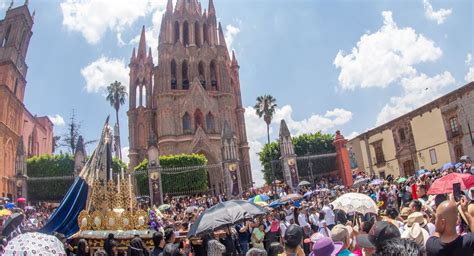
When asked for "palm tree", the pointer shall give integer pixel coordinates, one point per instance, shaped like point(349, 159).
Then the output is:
point(116, 96)
point(265, 107)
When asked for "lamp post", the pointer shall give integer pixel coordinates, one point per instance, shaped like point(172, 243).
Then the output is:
point(154, 176)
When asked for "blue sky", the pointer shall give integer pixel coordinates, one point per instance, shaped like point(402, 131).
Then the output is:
point(347, 65)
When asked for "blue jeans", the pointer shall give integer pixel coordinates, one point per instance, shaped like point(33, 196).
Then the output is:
point(244, 247)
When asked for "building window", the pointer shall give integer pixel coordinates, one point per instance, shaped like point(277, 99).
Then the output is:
point(173, 75)
point(186, 123)
point(205, 33)
point(185, 33)
point(458, 151)
point(184, 75)
point(176, 32)
point(16, 86)
point(7, 35)
point(401, 134)
point(197, 34)
point(379, 157)
point(210, 122)
point(382, 174)
point(434, 159)
point(453, 124)
point(202, 74)
point(213, 75)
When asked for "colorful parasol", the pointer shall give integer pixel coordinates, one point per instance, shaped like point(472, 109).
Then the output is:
point(445, 184)
point(5, 212)
point(259, 198)
point(401, 180)
point(291, 197)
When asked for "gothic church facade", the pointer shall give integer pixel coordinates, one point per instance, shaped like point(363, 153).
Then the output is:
point(185, 101)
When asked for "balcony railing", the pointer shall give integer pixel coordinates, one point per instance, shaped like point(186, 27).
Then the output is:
point(454, 134)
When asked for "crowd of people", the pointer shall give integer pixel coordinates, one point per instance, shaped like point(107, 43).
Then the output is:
point(409, 222)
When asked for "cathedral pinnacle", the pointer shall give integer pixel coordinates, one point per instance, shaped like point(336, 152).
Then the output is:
point(142, 45)
point(234, 59)
point(169, 6)
point(284, 131)
point(221, 36)
point(212, 10)
point(150, 55)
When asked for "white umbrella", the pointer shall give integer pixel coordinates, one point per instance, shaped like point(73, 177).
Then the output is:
point(355, 202)
point(34, 243)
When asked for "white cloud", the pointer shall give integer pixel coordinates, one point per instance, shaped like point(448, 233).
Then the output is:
point(385, 56)
point(93, 18)
point(125, 158)
point(230, 33)
point(439, 16)
point(152, 33)
point(417, 90)
point(352, 135)
point(257, 133)
point(57, 120)
point(468, 60)
point(102, 72)
point(470, 75)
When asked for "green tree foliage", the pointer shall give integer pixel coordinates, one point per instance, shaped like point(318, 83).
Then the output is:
point(54, 166)
point(182, 181)
point(305, 145)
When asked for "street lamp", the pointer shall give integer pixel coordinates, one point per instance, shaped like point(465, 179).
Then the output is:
point(154, 176)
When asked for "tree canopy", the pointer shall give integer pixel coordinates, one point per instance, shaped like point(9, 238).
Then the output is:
point(305, 145)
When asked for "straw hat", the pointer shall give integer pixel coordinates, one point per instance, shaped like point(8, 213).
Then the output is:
point(416, 233)
point(416, 217)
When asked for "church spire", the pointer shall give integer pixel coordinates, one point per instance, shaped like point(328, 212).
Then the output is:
point(134, 55)
point(212, 10)
point(142, 45)
point(284, 131)
point(169, 6)
point(234, 59)
point(150, 55)
point(221, 36)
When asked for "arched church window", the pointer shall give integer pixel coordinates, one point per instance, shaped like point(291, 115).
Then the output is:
point(137, 96)
point(184, 75)
point(202, 74)
point(144, 96)
point(185, 33)
point(174, 83)
point(198, 119)
point(176, 31)
point(205, 32)
point(210, 123)
point(6, 36)
point(186, 123)
point(213, 75)
point(197, 34)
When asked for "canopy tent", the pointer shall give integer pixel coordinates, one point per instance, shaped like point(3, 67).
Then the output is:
point(64, 218)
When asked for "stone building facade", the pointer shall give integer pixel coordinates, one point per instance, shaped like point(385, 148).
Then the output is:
point(425, 138)
point(184, 101)
point(21, 133)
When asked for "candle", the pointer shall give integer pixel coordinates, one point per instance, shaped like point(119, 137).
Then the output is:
point(118, 184)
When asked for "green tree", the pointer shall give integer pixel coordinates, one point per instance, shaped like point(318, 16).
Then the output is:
point(70, 137)
point(116, 95)
point(265, 107)
point(305, 145)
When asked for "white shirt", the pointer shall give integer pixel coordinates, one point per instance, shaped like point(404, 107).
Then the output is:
point(329, 215)
point(314, 219)
point(302, 220)
point(283, 226)
point(431, 228)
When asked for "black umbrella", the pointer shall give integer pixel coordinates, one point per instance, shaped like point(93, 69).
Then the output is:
point(12, 223)
point(224, 214)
